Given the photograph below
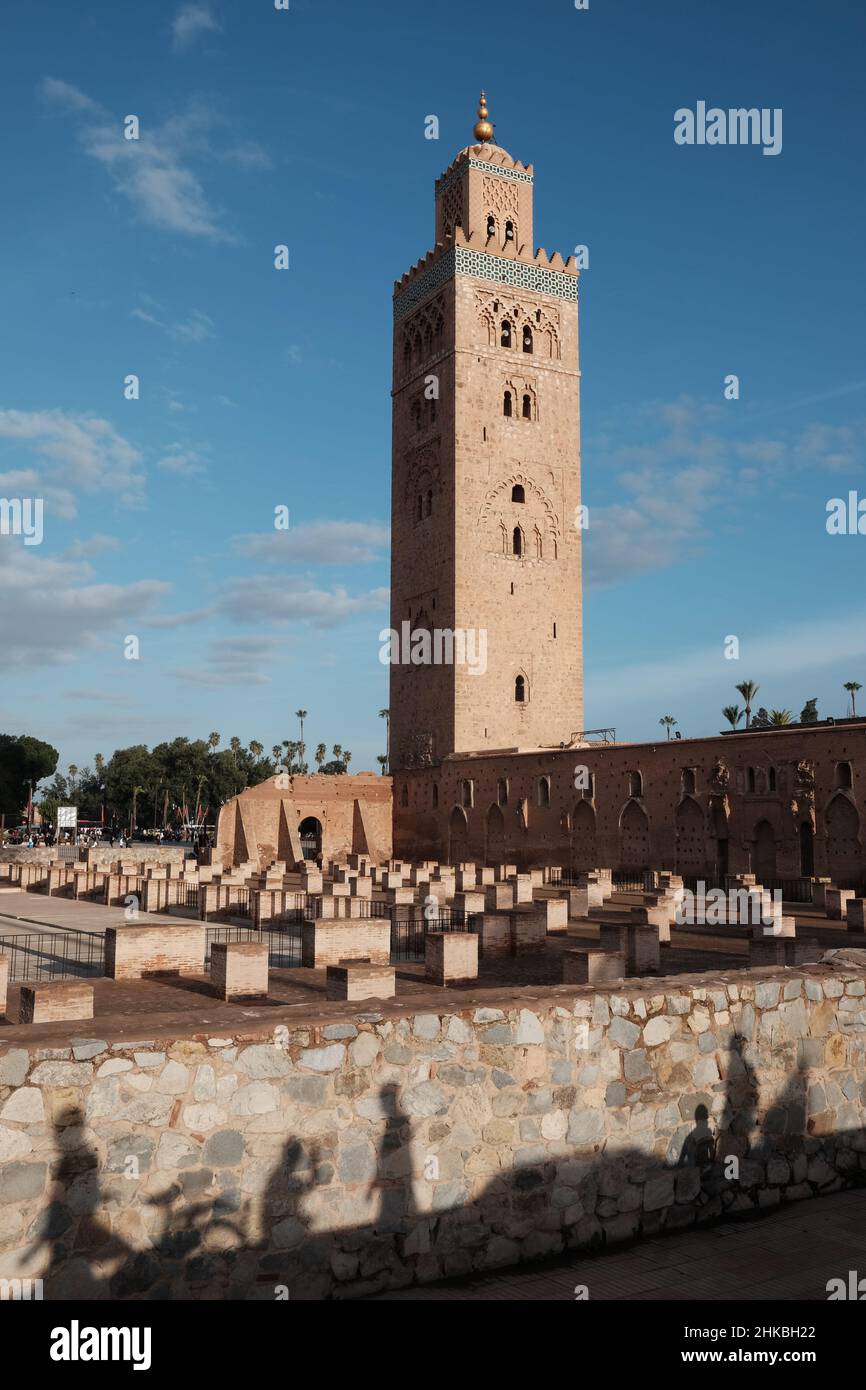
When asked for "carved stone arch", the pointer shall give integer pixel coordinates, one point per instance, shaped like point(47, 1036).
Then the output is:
point(843, 832)
point(584, 851)
point(495, 840)
point(690, 846)
point(422, 465)
point(458, 836)
point(502, 492)
point(634, 838)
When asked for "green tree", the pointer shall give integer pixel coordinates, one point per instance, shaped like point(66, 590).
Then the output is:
point(24, 762)
point(809, 712)
point(761, 720)
point(668, 721)
point(320, 755)
point(748, 690)
point(733, 714)
point(779, 718)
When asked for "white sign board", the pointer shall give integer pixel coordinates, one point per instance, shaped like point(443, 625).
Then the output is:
point(67, 817)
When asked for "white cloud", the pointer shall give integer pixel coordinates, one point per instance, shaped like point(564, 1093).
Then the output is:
point(259, 599)
point(186, 462)
point(191, 21)
point(195, 328)
point(75, 453)
point(92, 545)
point(155, 173)
point(52, 615)
point(319, 543)
point(170, 620)
point(235, 661)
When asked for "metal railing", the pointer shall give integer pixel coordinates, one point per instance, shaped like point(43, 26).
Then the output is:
point(41, 956)
point(284, 944)
point(408, 934)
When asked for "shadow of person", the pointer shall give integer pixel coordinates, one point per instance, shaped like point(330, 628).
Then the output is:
point(738, 1120)
point(699, 1145)
point(74, 1205)
point(393, 1178)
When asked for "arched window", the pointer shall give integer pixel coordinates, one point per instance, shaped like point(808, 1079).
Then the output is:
point(505, 334)
point(527, 408)
point(750, 779)
point(539, 544)
point(429, 509)
point(635, 784)
point(506, 404)
point(544, 791)
point(404, 795)
point(520, 690)
point(420, 510)
point(502, 791)
point(517, 541)
point(491, 225)
point(435, 790)
point(843, 775)
point(771, 779)
point(527, 339)
point(467, 792)
point(509, 231)
point(688, 782)
point(431, 409)
point(517, 493)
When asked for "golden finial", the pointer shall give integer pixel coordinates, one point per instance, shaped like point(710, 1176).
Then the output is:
point(483, 129)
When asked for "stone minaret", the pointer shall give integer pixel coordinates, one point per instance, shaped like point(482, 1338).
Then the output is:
point(485, 497)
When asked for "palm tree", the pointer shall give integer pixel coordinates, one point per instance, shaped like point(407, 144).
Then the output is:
point(669, 722)
point(320, 755)
point(748, 690)
point(213, 740)
point(852, 687)
point(73, 773)
point(733, 714)
point(277, 751)
point(235, 744)
point(99, 764)
point(347, 758)
point(382, 761)
point(780, 717)
point(301, 714)
point(257, 749)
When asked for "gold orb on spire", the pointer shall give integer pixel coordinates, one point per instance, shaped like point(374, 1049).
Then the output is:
point(483, 128)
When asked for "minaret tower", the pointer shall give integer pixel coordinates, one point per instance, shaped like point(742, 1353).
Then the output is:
point(485, 502)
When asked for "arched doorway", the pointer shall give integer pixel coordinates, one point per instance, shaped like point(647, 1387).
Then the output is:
point(634, 846)
point(764, 851)
point(807, 849)
point(690, 839)
point(843, 840)
point(458, 836)
point(584, 855)
point(495, 845)
point(310, 831)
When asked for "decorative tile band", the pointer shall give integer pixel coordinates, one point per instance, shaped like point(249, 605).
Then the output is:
point(514, 174)
point(483, 266)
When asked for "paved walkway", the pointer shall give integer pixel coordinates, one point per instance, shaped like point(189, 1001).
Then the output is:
point(788, 1255)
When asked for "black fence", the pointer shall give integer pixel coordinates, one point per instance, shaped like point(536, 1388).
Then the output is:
point(793, 890)
point(409, 933)
point(41, 956)
point(188, 897)
point(284, 944)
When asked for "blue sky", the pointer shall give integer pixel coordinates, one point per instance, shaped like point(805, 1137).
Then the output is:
point(262, 388)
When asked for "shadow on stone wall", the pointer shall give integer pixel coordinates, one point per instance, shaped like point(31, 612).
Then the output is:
point(238, 1247)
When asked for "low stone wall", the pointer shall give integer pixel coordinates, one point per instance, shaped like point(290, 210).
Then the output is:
point(333, 1159)
point(98, 854)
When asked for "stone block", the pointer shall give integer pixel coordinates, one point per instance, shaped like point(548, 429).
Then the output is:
point(335, 942)
point(134, 952)
point(450, 956)
point(783, 950)
point(522, 888)
point(56, 1001)
point(499, 897)
point(836, 901)
point(494, 935)
point(239, 969)
point(356, 982)
point(856, 914)
point(592, 966)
